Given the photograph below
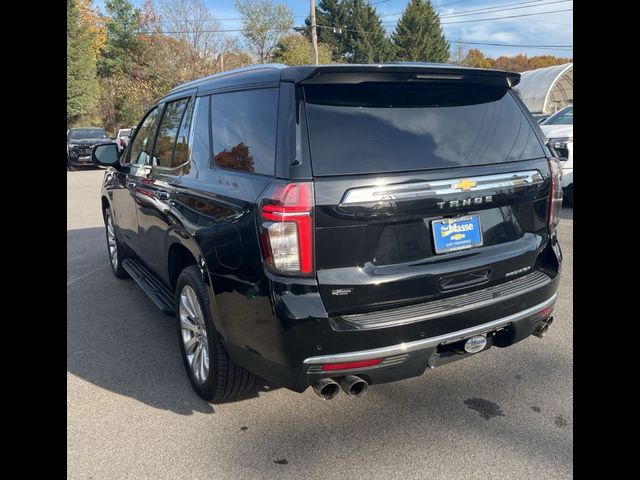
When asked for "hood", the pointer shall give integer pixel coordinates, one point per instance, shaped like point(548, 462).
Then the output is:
point(89, 141)
point(557, 131)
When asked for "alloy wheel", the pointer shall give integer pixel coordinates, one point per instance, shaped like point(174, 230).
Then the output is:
point(111, 240)
point(194, 334)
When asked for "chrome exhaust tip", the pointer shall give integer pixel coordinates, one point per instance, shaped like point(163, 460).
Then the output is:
point(542, 328)
point(326, 388)
point(353, 386)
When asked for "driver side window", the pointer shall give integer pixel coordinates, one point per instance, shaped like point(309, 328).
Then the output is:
point(140, 151)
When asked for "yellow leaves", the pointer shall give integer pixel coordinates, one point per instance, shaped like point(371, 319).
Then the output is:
point(92, 23)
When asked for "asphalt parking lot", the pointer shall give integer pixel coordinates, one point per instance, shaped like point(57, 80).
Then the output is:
point(505, 414)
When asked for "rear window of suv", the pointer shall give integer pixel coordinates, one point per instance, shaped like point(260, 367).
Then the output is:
point(376, 128)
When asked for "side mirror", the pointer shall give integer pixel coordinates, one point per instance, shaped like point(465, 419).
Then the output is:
point(105, 154)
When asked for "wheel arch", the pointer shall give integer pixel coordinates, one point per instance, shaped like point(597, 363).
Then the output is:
point(105, 206)
point(183, 252)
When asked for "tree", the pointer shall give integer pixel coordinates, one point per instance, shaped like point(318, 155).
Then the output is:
point(476, 59)
point(122, 43)
point(295, 49)
point(196, 27)
point(82, 87)
point(263, 24)
point(542, 61)
point(235, 58)
point(354, 31)
point(517, 63)
point(457, 57)
point(366, 37)
point(94, 24)
point(332, 19)
point(418, 36)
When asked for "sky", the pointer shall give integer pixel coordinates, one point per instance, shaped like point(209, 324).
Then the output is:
point(463, 20)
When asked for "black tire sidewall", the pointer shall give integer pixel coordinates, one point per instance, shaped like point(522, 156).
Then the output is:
point(119, 272)
point(568, 193)
point(211, 387)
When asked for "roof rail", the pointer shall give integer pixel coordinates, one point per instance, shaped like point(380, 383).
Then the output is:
point(250, 68)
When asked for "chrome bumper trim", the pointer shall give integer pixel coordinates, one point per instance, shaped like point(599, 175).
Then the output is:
point(428, 342)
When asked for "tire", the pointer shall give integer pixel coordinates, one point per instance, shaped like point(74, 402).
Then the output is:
point(115, 249)
point(70, 167)
point(568, 196)
point(214, 377)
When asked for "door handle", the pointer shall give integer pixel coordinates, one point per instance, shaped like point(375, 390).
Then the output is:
point(162, 195)
point(131, 184)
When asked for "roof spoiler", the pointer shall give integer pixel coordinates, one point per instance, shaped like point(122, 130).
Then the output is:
point(390, 72)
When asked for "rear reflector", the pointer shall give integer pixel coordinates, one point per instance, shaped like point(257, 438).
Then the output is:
point(349, 365)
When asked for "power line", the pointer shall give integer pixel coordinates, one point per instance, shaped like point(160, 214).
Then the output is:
point(541, 47)
point(496, 9)
point(509, 16)
point(496, 18)
point(499, 9)
point(453, 3)
point(552, 47)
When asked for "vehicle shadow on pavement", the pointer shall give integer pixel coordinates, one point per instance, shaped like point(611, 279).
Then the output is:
point(117, 338)
point(417, 421)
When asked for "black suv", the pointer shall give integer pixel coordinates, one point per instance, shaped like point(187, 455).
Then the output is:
point(337, 226)
point(79, 144)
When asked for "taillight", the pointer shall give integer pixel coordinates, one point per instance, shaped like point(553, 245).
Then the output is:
point(121, 141)
point(286, 228)
point(555, 203)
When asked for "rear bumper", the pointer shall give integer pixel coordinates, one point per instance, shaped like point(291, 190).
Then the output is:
point(288, 335)
point(301, 342)
point(410, 359)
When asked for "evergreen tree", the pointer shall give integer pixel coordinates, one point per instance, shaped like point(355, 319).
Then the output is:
point(353, 29)
point(367, 40)
point(122, 45)
point(332, 19)
point(82, 86)
point(418, 36)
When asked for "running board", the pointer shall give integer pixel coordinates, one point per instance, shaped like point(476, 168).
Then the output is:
point(150, 284)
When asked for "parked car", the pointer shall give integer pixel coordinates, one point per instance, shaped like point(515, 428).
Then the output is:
point(559, 130)
point(539, 117)
point(122, 138)
point(337, 226)
point(79, 143)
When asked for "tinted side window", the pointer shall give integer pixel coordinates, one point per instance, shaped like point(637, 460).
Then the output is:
point(140, 150)
point(181, 151)
point(168, 133)
point(201, 151)
point(244, 130)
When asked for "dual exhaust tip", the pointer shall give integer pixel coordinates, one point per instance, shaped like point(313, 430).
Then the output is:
point(352, 385)
point(543, 327)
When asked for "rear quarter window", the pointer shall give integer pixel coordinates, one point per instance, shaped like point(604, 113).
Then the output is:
point(243, 128)
point(371, 128)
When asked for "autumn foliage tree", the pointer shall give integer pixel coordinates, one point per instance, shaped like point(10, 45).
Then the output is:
point(82, 85)
point(296, 49)
point(476, 59)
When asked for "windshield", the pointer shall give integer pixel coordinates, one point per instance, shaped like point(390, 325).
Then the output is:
point(562, 117)
point(124, 133)
point(88, 133)
point(385, 127)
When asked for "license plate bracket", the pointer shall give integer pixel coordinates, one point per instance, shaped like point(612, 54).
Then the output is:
point(458, 233)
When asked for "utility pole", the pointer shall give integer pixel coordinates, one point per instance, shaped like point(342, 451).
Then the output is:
point(314, 36)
